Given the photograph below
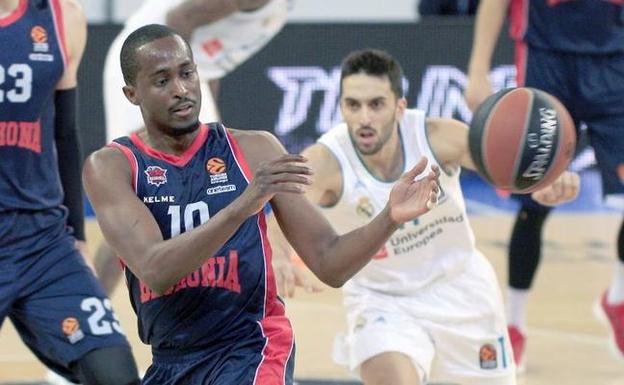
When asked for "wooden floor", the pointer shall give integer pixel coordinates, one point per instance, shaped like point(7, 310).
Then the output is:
point(567, 344)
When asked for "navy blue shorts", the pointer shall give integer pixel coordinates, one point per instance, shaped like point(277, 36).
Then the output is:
point(48, 292)
point(258, 358)
point(592, 88)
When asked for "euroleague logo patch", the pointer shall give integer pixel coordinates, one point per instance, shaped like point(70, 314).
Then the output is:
point(487, 357)
point(41, 48)
point(156, 175)
point(38, 34)
point(215, 166)
point(71, 328)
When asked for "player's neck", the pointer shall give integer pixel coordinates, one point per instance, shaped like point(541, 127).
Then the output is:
point(388, 163)
point(7, 7)
point(168, 144)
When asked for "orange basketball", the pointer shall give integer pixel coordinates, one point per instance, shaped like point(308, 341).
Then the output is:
point(521, 139)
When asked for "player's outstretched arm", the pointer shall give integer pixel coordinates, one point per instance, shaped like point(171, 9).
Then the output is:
point(333, 258)
point(488, 23)
point(191, 14)
point(288, 274)
point(133, 233)
point(449, 143)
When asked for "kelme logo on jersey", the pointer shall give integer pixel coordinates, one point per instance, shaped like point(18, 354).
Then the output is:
point(71, 328)
point(156, 175)
point(487, 357)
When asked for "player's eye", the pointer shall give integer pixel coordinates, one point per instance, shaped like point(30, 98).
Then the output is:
point(352, 104)
point(375, 104)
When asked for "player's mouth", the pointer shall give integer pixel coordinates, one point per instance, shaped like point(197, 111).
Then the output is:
point(367, 137)
point(183, 109)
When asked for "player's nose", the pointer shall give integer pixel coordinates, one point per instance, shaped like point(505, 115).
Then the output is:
point(179, 87)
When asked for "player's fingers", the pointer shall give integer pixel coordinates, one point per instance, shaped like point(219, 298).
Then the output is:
point(286, 187)
point(291, 168)
point(432, 200)
point(571, 188)
point(290, 158)
point(436, 171)
point(305, 283)
point(287, 282)
point(416, 170)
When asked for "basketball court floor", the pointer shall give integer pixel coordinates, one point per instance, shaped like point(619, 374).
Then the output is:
point(566, 345)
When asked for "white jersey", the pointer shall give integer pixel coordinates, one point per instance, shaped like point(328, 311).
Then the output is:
point(223, 45)
point(218, 48)
point(419, 253)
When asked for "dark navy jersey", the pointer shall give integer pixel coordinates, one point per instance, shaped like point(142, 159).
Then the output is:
point(228, 296)
point(577, 26)
point(32, 61)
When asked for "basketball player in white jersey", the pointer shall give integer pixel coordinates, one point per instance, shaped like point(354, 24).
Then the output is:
point(223, 34)
point(428, 307)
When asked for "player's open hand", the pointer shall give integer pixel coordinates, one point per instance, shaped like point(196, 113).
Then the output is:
point(412, 196)
point(562, 190)
point(289, 276)
point(285, 174)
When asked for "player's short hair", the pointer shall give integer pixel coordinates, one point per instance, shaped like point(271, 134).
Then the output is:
point(137, 39)
point(374, 62)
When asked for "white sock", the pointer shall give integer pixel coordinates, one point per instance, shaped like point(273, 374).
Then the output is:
point(516, 307)
point(615, 294)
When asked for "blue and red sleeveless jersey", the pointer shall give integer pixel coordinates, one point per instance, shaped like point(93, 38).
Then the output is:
point(32, 62)
point(231, 294)
point(576, 26)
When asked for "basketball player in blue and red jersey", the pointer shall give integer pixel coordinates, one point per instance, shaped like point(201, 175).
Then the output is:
point(574, 50)
point(181, 203)
point(46, 289)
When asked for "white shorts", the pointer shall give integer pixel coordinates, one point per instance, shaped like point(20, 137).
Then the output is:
point(123, 117)
point(454, 330)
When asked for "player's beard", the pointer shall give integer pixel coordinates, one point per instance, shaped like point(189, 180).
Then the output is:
point(384, 136)
point(181, 131)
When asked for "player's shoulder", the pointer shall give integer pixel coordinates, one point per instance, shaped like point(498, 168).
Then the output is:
point(110, 156)
point(254, 137)
point(257, 145)
point(318, 152)
point(72, 12)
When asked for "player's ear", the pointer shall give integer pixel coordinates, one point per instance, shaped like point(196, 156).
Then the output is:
point(130, 92)
point(400, 109)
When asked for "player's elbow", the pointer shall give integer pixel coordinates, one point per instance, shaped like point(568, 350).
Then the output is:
point(155, 283)
point(334, 282)
point(156, 280)
point(333, 279)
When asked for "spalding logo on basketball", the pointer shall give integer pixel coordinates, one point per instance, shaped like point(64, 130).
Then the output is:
point(521, 139)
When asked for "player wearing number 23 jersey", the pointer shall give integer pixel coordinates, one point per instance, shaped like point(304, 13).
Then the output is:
point(46, 289)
